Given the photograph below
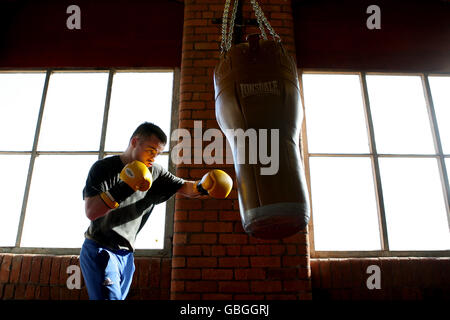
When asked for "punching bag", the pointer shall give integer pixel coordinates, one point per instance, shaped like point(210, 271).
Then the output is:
point(257, 91)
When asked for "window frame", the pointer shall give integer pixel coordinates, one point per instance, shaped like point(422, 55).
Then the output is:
point(439, 155)
point(166, 251)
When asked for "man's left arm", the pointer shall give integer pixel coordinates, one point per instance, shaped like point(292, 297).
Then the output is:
point(216, 183)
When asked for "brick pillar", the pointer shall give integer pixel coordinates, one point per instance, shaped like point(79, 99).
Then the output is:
point(213, 258)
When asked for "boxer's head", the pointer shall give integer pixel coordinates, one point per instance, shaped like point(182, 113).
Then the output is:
point(146, 143)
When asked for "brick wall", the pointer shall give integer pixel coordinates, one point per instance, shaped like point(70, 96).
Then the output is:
point(401, 279)
point(213, 258)
point(44, 277)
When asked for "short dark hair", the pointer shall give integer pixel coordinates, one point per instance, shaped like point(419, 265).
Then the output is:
point(147, 129)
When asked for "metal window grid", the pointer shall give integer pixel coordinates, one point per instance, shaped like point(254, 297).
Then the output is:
point(374, 156)
point(167, 249)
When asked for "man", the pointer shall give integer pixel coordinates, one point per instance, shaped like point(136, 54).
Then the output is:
point(120, 194)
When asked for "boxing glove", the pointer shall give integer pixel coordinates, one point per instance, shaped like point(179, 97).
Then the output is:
point(133, 177)
point(216, 183)
point(257, 87)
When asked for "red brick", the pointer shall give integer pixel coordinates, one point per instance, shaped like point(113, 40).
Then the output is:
point(45, 270)
point(25, 269)
point(178, 262)
point(176, 286)
point(358, 276)
point(218, 250)
point(233, 238)
point(201, 262)
point(166, 272)
point(206, 215)
point(266, 286)
point(249, 250)
point(215, 204)
point(229, 216)
point(143, 271)
point(278, 249)
point(8, 291)
point(64, 293)
point(217, 296)
point(315, 273)
point(185, 296)
point(218, 227)
point(234, 250)
point(304, 272)
point(186, 250)
point(43, 293)
point(15, 269)
point(217, 274)
point(201, 286)
point(191, 88)
point(282, 273)
point(155, 272)
point(249, 297)
point(54, 293)
point(202, 238)
point(186, 274)
point(234, 286)
point(196, 7)
point(281, 297)
point(250, 274)
point(265, 261)
point(5, 267)
point(19, 293)
point(325, 273)
point(179, 238)
point(188, 227)
point(30, 292)
point(195, 22)
point(35, 269)
point(296, 285)
point(341, 274)
point(263, 250)
point(180, 215)
point(187, 204)
point(230, 262)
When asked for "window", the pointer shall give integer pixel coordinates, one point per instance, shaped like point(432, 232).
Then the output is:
point(377, 155)
point(54, 125)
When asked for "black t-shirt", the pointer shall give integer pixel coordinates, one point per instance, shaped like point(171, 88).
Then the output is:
point(118, 228)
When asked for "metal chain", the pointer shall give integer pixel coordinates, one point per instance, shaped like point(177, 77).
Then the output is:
point(225, 44)
point(261, 17)
point(233, 18)
point(224, 25)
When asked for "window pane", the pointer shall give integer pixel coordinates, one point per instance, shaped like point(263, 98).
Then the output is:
point(73, 113)
point(136, 98)
point(55, 214)
point(335, 114)
point(400, 116)
point(440, 91)
point(152, 234)
point(414, 203)
point(20, 99)
point(343, 204)
point(13, 170)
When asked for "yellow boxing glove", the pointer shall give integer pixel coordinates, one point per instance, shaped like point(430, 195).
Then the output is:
point(216, 183)
point(134, 176)
point(137, 176)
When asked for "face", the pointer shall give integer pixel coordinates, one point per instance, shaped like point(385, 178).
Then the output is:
point(146, 149)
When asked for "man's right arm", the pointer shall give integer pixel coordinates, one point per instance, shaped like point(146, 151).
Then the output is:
point(95, 207)
point(134, 176)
